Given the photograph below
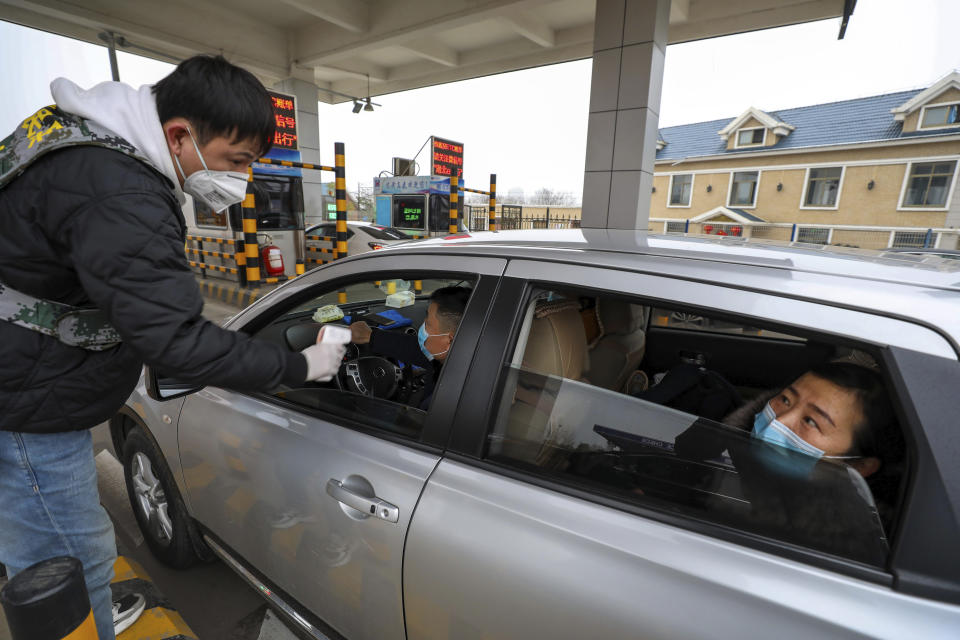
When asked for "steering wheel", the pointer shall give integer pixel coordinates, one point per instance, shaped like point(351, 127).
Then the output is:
point(372, 376)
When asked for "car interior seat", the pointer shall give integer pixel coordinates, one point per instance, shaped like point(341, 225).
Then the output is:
point(619, 351)
point(556, 346)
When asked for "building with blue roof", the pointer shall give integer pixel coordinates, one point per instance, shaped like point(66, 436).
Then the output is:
point(877, 171)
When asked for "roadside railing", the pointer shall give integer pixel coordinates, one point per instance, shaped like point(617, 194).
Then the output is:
point(856, 236)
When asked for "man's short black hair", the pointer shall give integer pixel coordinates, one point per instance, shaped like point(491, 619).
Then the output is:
point(451, 303)
point(219, 99)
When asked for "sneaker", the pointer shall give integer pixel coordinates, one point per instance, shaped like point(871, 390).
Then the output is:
point(126, 610)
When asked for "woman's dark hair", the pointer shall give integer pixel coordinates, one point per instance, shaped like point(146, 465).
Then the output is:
point(219, 99)
point(878, 436)
point(451, 303)
point(872, 396)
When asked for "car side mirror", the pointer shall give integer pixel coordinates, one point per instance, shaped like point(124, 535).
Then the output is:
point(162, 388)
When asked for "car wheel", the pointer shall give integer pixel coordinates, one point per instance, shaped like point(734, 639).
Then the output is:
point(167, 527)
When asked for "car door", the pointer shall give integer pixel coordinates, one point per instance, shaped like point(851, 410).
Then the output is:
point(313, 489)
point(561, 509)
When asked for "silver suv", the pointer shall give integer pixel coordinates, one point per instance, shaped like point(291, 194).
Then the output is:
point(595, 455)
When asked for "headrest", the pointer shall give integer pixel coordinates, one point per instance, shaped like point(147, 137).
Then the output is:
point(619, 317)
point(557, 344)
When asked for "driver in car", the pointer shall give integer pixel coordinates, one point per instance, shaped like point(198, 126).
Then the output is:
point(429, 348)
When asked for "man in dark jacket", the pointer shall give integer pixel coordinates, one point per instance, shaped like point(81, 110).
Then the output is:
point(98, 224)
point(429, 348)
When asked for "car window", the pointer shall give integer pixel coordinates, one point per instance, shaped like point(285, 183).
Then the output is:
point(692, 321)
point(385, 233)
point(598, 395)
point(328, 231)
point(386, 380)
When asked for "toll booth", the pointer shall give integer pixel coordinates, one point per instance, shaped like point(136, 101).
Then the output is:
point(417, 205)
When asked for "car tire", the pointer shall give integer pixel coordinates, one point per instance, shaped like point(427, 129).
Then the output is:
point(157, 505)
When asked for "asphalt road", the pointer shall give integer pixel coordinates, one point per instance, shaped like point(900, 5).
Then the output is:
point(212, 599)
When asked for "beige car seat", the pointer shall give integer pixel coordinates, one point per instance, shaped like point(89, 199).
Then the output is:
point(619, 351)
point(557, 346)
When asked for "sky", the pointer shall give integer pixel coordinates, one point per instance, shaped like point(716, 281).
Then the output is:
point(530, 127)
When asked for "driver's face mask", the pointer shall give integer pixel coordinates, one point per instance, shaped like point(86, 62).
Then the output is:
point(766, 427)
point(216, 189)
point(422, 336)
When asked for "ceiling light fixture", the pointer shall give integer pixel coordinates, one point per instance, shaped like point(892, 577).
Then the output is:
point(369, 105)
point(357, 106)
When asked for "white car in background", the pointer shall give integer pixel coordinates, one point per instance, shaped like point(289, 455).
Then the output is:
point(361, 236)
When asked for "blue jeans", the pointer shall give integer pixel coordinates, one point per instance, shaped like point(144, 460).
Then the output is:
point(50, 506)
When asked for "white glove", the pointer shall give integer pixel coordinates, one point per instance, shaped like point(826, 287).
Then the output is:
point(323, 361)
point(324, 358)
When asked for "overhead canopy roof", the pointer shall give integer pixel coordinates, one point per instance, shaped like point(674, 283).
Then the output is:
point(398, 44)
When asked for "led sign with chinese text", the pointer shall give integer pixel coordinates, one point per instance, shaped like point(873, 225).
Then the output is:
point(285, 116)
point(446, 157)
point(408, 212)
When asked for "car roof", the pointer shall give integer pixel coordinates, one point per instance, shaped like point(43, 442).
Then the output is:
point(895, 284)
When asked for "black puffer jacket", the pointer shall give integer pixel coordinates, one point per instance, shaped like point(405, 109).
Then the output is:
point(89, 226)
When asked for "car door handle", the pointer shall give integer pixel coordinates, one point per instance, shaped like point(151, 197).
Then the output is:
point(368, 506)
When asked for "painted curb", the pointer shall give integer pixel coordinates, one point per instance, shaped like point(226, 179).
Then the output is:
point(159, 620)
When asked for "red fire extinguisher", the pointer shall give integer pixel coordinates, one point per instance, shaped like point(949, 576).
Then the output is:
point(272, 260)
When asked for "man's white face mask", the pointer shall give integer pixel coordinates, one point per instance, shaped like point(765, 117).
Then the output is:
point(216, 189)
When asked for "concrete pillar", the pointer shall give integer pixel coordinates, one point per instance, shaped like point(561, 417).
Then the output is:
point(309, 142)
point(630, 40)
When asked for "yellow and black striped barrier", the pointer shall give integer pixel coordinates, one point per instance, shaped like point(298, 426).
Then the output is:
point(251, 246)
point(215, 254)
point(227, 241)
point(49, 601)
point(454, 202)
point(298, 165)
point(159, 618)
point(492, 213)
point(229, 293)
point(455, 196)
point(212, 267)
point(341, 194)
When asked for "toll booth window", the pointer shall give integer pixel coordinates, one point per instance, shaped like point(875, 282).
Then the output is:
point(408, 212)
point(207, 217)
point(278, 203)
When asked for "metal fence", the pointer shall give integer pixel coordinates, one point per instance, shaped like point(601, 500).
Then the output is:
point(864, 237)
point(550, 222)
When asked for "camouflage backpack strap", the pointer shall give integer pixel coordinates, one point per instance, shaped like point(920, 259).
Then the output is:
point(75, 327)
point(50, 129)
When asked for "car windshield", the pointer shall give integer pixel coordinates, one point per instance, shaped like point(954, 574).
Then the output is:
point(385, 233)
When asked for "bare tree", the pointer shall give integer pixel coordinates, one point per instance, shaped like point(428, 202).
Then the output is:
point(549, 197)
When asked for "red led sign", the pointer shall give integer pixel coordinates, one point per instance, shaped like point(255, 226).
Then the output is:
point(285, 115)
point(447, 157)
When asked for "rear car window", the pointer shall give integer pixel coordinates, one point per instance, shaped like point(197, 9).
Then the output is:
point(601, 396)
point(385, 233)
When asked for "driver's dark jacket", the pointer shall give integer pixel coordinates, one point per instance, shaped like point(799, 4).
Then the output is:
point(90, 226)
point(406, 349)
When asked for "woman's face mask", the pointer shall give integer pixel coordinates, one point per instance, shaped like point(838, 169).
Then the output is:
point(766, 427)
point(216, 189)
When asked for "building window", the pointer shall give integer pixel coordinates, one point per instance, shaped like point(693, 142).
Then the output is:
point(929, 184)
point(677, 227)
point(751, 137)
point(813, 235)
point(207, 217)
point(911, 239)
point(943, 115)
point(681, 188)
point(743, 188)
point(823, 187)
